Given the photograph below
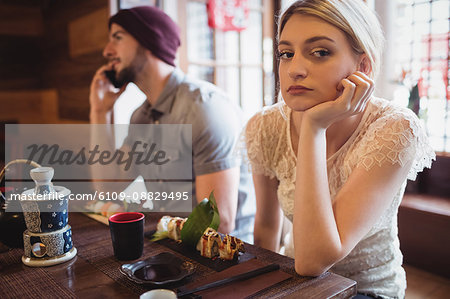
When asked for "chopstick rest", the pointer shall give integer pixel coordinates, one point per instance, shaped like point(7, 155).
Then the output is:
point(239, 277)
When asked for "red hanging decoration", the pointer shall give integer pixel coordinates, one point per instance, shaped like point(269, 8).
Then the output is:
point(228, 15)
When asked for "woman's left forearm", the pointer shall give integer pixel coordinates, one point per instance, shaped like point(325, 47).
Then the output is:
point(316, 236)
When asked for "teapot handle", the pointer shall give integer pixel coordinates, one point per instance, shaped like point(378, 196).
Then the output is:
point(17, 161)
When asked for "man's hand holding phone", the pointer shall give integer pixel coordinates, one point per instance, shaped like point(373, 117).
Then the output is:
point(103, 95)
point(111, 75)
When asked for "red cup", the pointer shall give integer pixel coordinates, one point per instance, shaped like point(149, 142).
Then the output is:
point(127, 235)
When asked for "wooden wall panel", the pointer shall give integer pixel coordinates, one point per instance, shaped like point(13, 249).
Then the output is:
point(436, 181)
point(19, 58)
point(88, 34)
point(29, 107)
point(424, 239)
point(72, 74)
point(20, 20)
point(76, 103)
point(72, 77)
point(41, 58)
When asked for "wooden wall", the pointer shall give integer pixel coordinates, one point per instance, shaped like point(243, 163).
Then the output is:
point(61, 53)
point(21, 27)
point(72, 74)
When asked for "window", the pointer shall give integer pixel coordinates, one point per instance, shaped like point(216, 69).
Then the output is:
point(240, 63)
point(422, 63)
point(123, 4)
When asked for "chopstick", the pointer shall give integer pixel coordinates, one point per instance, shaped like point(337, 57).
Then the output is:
point(242, 276)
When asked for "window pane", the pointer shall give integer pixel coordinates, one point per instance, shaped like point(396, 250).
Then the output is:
point(251, 40)
point(132, 3)
point(405, 33)
point(228, 80)
point(285, 4)
point(254, 3)
point(403, 52)
point(231, 60)
point(199, 36)
point(421, 12)
point(404, 15)
point(435, 121)
point(418, 51)
point(252, 96)
point(439, 26)
point(202, 72)
point(421, 31)
point(439, 46)
point(440, 10)
point(437, 143)
point(227, 48)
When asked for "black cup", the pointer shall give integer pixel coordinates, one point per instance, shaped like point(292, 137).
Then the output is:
point(127, 235)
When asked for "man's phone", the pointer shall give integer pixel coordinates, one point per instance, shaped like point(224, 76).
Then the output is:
point(111, 75)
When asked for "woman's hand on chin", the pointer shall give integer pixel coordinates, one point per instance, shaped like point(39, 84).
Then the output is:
point(356, 92)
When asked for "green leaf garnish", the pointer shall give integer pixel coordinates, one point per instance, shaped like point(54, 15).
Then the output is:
point(204, 215)
point(159, 236)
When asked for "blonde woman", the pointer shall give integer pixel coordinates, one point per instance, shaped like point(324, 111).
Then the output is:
point(332, 157)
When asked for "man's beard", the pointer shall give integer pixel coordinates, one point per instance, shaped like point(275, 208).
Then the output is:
point(129, 73)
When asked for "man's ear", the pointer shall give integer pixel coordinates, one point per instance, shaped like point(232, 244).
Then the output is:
point(149, 54)
point(364, 64)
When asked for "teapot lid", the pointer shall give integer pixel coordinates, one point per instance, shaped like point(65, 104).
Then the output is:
point(42, 177)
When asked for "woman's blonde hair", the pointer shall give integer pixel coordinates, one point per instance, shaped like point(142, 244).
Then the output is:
point(353, 17)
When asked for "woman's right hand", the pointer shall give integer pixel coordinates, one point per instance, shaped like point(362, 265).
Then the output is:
point(102, 95)
point(356, 92)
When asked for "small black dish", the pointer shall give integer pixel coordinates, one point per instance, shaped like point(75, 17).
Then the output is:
point(160, 269)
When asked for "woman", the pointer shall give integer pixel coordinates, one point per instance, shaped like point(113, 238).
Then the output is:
point(334, 158)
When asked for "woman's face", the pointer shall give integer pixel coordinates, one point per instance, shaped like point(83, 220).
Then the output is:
point(314, 57)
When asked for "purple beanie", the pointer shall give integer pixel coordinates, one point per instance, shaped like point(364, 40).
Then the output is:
point(152, 28)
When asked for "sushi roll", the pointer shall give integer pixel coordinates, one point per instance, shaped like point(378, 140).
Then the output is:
point(209, 243)
point(174, 228)
point(112, 209)
point(230, 247)
point(172, 225)
point(163, 223)
point(97, 207)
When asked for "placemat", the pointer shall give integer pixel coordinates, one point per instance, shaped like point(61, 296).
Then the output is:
point(28, 282)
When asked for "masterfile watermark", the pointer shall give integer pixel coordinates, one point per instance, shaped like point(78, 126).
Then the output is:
point(127, 165)
point(133, 197)
point(56, 155)
point(138, 196)
point(104, 152)
point(37, 197)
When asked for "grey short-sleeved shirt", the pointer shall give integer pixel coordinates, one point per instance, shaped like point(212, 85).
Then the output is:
point(216, 127)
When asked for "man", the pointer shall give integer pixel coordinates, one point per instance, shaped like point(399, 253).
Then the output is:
point(142, 47)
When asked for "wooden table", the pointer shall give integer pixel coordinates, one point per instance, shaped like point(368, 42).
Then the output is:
point(94, 272)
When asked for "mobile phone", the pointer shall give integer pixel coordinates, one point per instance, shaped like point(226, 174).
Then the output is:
point(111, 75)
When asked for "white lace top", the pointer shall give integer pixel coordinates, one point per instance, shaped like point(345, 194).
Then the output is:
point(386, 134)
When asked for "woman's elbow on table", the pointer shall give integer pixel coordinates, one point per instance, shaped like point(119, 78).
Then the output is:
point(315, 260)
point(309, 269)
point(317, 263)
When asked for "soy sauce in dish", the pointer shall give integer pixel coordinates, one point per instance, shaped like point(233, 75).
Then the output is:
point(158, 272)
